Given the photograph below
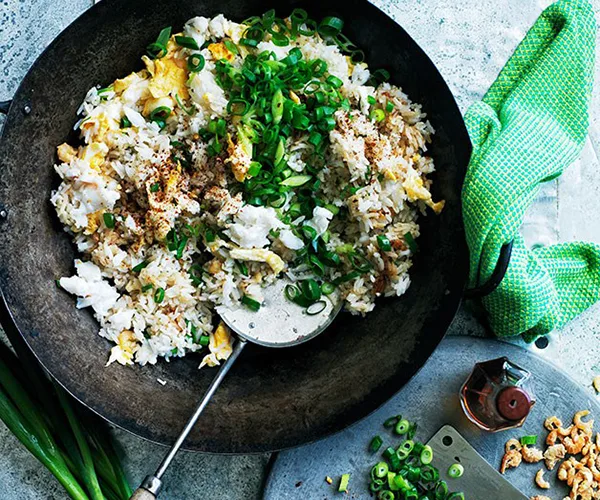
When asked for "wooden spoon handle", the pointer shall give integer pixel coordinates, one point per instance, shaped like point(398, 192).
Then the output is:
point(142, 494)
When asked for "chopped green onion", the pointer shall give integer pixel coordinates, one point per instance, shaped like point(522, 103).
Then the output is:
point(456, 496)
point(296, 180)
point(528, 440)
point(402, 427)
point(316, 308)
point(140, 266)
point(159, 295)
point(309, 232)
point(410, 241)
point(383, 243)
point(334, 81)
point(125, 123)
point(381, 470)
point(250, 303)
point(242, 267)
point(343, 487)
point(347, 277)
point(158, 49)
point(455, 471)
point(389, 107)
point(147, 287)
point(392, 421)
point(277, 106)
point(310, 289)
point(155, 187)
point(210, 235)
point(196, 63)
point(426, 455)
point(254, 169)
point(385, 495)
point(109, 220)
point(378, 115)
point(330, 26)
point(160, 113)
point(187, 41)
point(231, 47)
point(204, 340)
point(371, 100)
point(187, 111)
point(376, 442)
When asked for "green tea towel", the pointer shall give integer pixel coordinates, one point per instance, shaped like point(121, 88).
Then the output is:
point(530, 126)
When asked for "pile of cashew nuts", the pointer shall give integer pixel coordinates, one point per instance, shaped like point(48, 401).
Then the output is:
point(574, 445)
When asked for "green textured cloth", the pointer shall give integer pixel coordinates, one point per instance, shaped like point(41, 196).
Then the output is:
point(530, 126)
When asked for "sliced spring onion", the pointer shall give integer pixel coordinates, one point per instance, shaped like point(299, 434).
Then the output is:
point(392, 421)
point(231, 47)
point(426, 455)
point(125, 123)
point(147, 287)
point(316, 308)
point(159, 295)
point(210, 235)
point(402, 427)
point(380, 470)
point(140, 266)
point(456, 496)
point(195, 63)
point(455, 471)
point(346, 277)
point(158, 49)
point(296, 180)
point(160, 113)
point(344, 480)
point(378, 115)
point(250, 303)
point(310, 289)
point(410, 241)
point(277, 106)
point(204, 340)
point(371, 100)
point(383, 243)
point(155, 187)
point(376, 485)
point(385, 495)
point(528, 440)
point(375, 444)
point(187, 41)
point(109, 220)
point(330, 26)
point(187, 111)
point(389, 107)
point(243, 269)
point(309, 232)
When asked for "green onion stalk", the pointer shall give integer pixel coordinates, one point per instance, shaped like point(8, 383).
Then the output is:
point(75, 447)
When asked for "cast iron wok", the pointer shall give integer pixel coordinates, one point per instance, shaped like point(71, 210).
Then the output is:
point(273, 399)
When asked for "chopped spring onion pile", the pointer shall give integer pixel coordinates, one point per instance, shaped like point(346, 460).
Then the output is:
point(406, 473)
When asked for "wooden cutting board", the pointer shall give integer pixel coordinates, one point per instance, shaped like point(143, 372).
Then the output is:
point(431, 399)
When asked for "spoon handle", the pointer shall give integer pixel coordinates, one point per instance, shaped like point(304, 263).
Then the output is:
point(151, 485)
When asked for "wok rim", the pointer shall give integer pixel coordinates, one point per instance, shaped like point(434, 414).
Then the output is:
point(361, 410)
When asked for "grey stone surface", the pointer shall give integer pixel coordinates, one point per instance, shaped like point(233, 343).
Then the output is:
point(469, 41)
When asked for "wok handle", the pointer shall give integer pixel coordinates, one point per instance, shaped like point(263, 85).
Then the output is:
point(152, 485)
point(497, 276)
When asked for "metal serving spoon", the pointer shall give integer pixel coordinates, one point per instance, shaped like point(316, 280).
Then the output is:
point(278, 323)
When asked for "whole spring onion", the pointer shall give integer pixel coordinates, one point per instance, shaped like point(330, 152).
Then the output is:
point(74, 446)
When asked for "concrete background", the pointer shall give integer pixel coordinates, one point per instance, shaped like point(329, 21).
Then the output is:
point(469, 41)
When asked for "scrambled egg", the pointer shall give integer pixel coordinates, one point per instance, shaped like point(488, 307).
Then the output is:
point(94, 154)
point(220, 346)
point(259, 255)
point(99, 126)
point(240, 156)
point(168, 78)
point(66, 152)
point(415, 190)
point(125, 349)
point(219, 51)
